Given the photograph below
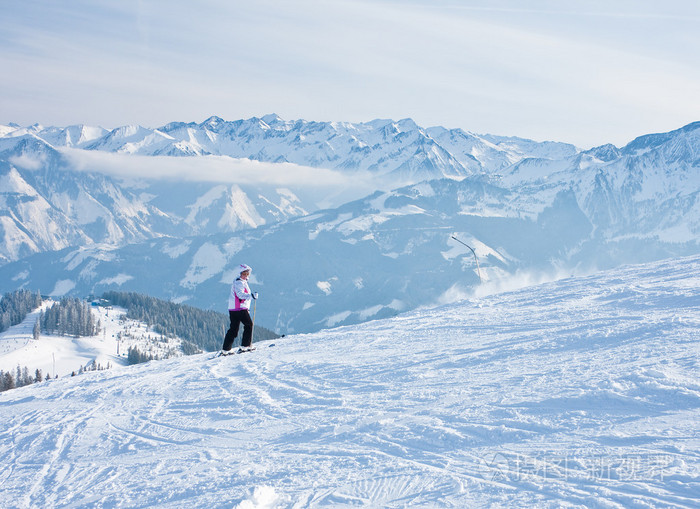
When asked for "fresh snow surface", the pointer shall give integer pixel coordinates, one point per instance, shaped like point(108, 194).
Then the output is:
point(583, 392)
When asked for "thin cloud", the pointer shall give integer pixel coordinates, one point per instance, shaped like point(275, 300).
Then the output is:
point(28, 162)
point(219, 169)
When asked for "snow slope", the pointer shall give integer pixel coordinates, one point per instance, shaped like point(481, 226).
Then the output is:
point(584, 392)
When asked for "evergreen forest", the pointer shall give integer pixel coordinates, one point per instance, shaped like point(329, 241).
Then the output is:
point(69, 317)
point(15, 306)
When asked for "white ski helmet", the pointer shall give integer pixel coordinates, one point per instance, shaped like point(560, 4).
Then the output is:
point(243, 268)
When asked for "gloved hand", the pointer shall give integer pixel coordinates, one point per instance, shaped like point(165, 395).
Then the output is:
point(255, 295)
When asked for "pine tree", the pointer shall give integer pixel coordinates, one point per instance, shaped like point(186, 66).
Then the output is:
point(8, 381)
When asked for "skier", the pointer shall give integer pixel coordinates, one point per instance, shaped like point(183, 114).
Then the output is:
point(238, 306)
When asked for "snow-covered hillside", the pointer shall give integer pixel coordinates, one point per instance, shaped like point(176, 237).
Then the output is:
point(579, 393)
point(62, 355)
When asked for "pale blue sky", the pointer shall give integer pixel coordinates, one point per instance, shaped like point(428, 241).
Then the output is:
point(586, 72)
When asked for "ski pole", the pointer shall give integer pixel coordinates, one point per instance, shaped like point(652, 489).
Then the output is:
point(252, 328)
point(478, 270)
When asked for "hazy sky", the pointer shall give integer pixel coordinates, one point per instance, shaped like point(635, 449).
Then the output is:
point(586, 72)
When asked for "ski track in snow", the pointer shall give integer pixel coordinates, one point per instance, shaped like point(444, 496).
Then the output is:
point(579, 393)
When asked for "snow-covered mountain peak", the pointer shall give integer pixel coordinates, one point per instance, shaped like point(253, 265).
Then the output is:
point(213, 123)
point(378, 123)
point(173, 126)
point(19, 131)
point(29, 151)
point(456, 132)
point(605, 153)
point(7, 129)
point(271, 118)
point(136, 139)
point(407, 124)
point(126, 133)
point(690, 132)
point(72, 136)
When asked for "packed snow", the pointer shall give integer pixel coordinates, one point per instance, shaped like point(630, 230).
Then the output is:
point(583, 392)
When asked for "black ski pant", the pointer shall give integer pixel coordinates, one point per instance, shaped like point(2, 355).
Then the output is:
point(237, 318)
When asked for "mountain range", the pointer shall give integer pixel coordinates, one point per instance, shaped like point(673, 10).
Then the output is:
point(170, 211)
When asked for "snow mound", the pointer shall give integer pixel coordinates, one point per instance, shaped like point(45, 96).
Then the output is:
point(264, 497)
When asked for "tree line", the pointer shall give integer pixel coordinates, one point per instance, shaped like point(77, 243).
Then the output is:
point(15, 306)
point(69, 317)
point(20, 378)
point(199, 329)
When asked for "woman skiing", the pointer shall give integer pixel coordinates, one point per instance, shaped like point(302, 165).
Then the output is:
point(238, 306)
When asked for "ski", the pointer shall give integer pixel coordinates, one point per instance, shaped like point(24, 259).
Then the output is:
point(235, 352)
point(225, 354)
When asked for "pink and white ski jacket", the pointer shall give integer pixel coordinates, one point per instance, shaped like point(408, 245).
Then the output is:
point(240, 295)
